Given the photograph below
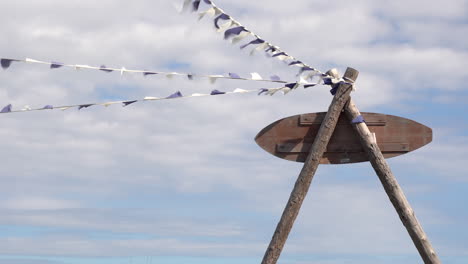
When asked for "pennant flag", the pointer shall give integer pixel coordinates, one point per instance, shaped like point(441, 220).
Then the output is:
point(234, 31)
point(170, 75)
point(56, 65)
point(108, 104)
point(271, 48)
point(48, 107)
point(33, 61)
point(146, 73)
point(263, 90)
point(6, 109)
point(302, 80)
point(122, 70)
point(186, 5)
point(213, 78)
point(358, 119)
point(196, 5)
point(272, 91)
point(334, 90)
point(241, 36)
point(279, 54)
point(79, 67)
point(6, 63)
point(223, 17)
point(292, 85)
point(26, 108)
point(148, 98)
point(261, 47)
point(295, 63)
point(309, 85)
point(238, 90)
point(306, 68)
point(226, 25)
point(211, 12)
point(275, 78)
point(216, 92)
point(84, 106)
point(198, 94)
point(128, 103)
point(105, 69)
point(285, 90)
point(234, 75)
point(175, 95)
point(327, 81)
point(310, 76)
point(256, 76)
point(256, 41)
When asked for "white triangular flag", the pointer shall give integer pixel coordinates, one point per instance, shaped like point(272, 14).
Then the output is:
point(78, 67)
point(285, 90)
point(33, 61)
point(26, 108)
point(213, 78)
point(272, 91)
point(262, 46)
point(186, 5)
point(241, 36)
point(210, 12)
point(218, 11)
point(225, 26)
point(170, 75)
point(122, 70)
point(256, 76)
point(238, 90)
point(110, 103)
point(150, 98)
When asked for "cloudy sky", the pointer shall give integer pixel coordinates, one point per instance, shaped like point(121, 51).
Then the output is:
point(182, 181)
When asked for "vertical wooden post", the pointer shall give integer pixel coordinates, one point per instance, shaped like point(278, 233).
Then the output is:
point(392, 188)
point(307, 173)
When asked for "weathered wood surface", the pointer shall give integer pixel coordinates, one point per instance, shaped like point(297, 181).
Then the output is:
point(310, 166)
point(393, 189)
point(291, 138)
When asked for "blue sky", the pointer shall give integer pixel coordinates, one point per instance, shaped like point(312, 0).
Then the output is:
point(182, 181)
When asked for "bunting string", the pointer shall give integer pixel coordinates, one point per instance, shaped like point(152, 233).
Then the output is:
point(177, 95)
point(6, 63)
point(236, 32)
point(233, 31)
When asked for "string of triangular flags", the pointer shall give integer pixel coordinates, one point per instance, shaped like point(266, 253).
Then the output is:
point(236, 32)
point(6, 63)
point(177, 95)
point(232, 30)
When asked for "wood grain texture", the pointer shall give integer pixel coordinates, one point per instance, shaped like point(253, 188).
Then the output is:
point(304, 180)
point(393, 189)
point(291, 138)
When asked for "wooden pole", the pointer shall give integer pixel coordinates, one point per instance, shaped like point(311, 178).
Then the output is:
point(392, 188)
point(307, 173)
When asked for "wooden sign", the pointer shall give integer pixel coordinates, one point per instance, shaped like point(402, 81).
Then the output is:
point(291, 138)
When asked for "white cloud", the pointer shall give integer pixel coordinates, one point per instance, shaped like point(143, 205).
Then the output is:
point(149, 154)
point(37, 203)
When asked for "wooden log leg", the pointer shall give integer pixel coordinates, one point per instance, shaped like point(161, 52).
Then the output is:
point(307, 173)
point(392, 188)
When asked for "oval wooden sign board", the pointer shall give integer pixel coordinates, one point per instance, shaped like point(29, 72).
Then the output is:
point(291, 138)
